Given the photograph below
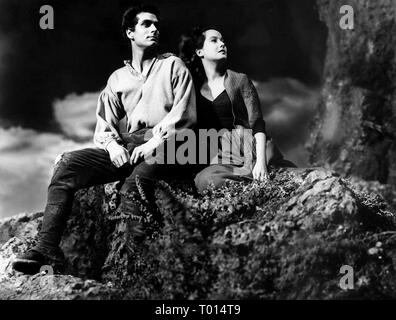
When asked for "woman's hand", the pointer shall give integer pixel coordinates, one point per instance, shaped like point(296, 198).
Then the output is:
point(260, 171)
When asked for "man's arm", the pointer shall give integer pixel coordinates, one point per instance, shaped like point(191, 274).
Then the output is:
point(109, 112)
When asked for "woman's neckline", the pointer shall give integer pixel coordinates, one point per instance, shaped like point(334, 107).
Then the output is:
point(215, 97)
point(206, 91)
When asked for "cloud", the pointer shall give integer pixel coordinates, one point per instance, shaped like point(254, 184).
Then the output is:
point(27, 156)
point(76, 115)
point(26, 159)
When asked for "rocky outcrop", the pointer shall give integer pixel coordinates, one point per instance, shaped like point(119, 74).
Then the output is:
point(284, 238)
point(84, 244)
point(354, 132)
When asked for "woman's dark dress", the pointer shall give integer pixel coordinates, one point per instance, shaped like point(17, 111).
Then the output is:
point(215, 114)
point(234, 160)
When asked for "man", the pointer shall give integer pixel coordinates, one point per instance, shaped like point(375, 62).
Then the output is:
point(156, 95)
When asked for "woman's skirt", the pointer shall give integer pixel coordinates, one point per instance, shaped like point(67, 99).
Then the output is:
point(235, 159)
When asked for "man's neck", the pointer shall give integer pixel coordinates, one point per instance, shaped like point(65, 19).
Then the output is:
point(142, 58)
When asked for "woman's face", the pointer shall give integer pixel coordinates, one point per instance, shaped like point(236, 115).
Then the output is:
point(214, 48)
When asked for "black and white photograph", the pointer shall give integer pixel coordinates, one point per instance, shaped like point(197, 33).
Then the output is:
point(210, 150)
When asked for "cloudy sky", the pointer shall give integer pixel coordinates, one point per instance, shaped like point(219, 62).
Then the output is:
point(50, 79)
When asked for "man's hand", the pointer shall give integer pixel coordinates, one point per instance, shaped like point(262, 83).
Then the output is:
point(260, 171)
point(144, 151)
point(118, 154)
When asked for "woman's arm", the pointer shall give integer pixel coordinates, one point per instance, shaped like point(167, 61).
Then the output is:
point(252, 104)
point(256, 121)
point(260, 171)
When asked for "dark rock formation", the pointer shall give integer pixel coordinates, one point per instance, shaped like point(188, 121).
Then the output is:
point(285, 238)
point(355, 128)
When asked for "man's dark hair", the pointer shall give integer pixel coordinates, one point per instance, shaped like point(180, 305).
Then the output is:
point(129, 19)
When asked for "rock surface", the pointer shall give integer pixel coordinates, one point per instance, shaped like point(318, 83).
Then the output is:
point(282, 239)
point(83, 244)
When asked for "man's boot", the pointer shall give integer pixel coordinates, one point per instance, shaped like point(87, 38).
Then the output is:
point(46, 252)
point(33, 260)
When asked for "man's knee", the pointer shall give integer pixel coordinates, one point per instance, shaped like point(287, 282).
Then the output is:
point(61, 161)
point(70, 160)
point(62, 175)
point(62, 157)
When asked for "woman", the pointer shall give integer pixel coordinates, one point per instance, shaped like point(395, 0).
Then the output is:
point(226, 100)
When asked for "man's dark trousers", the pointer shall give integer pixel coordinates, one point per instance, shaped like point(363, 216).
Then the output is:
point(88, 167)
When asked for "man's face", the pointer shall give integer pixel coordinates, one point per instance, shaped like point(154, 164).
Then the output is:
point(146, 33)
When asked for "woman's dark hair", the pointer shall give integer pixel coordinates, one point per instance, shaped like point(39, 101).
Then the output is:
point(129, 19)
point(188, 44)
